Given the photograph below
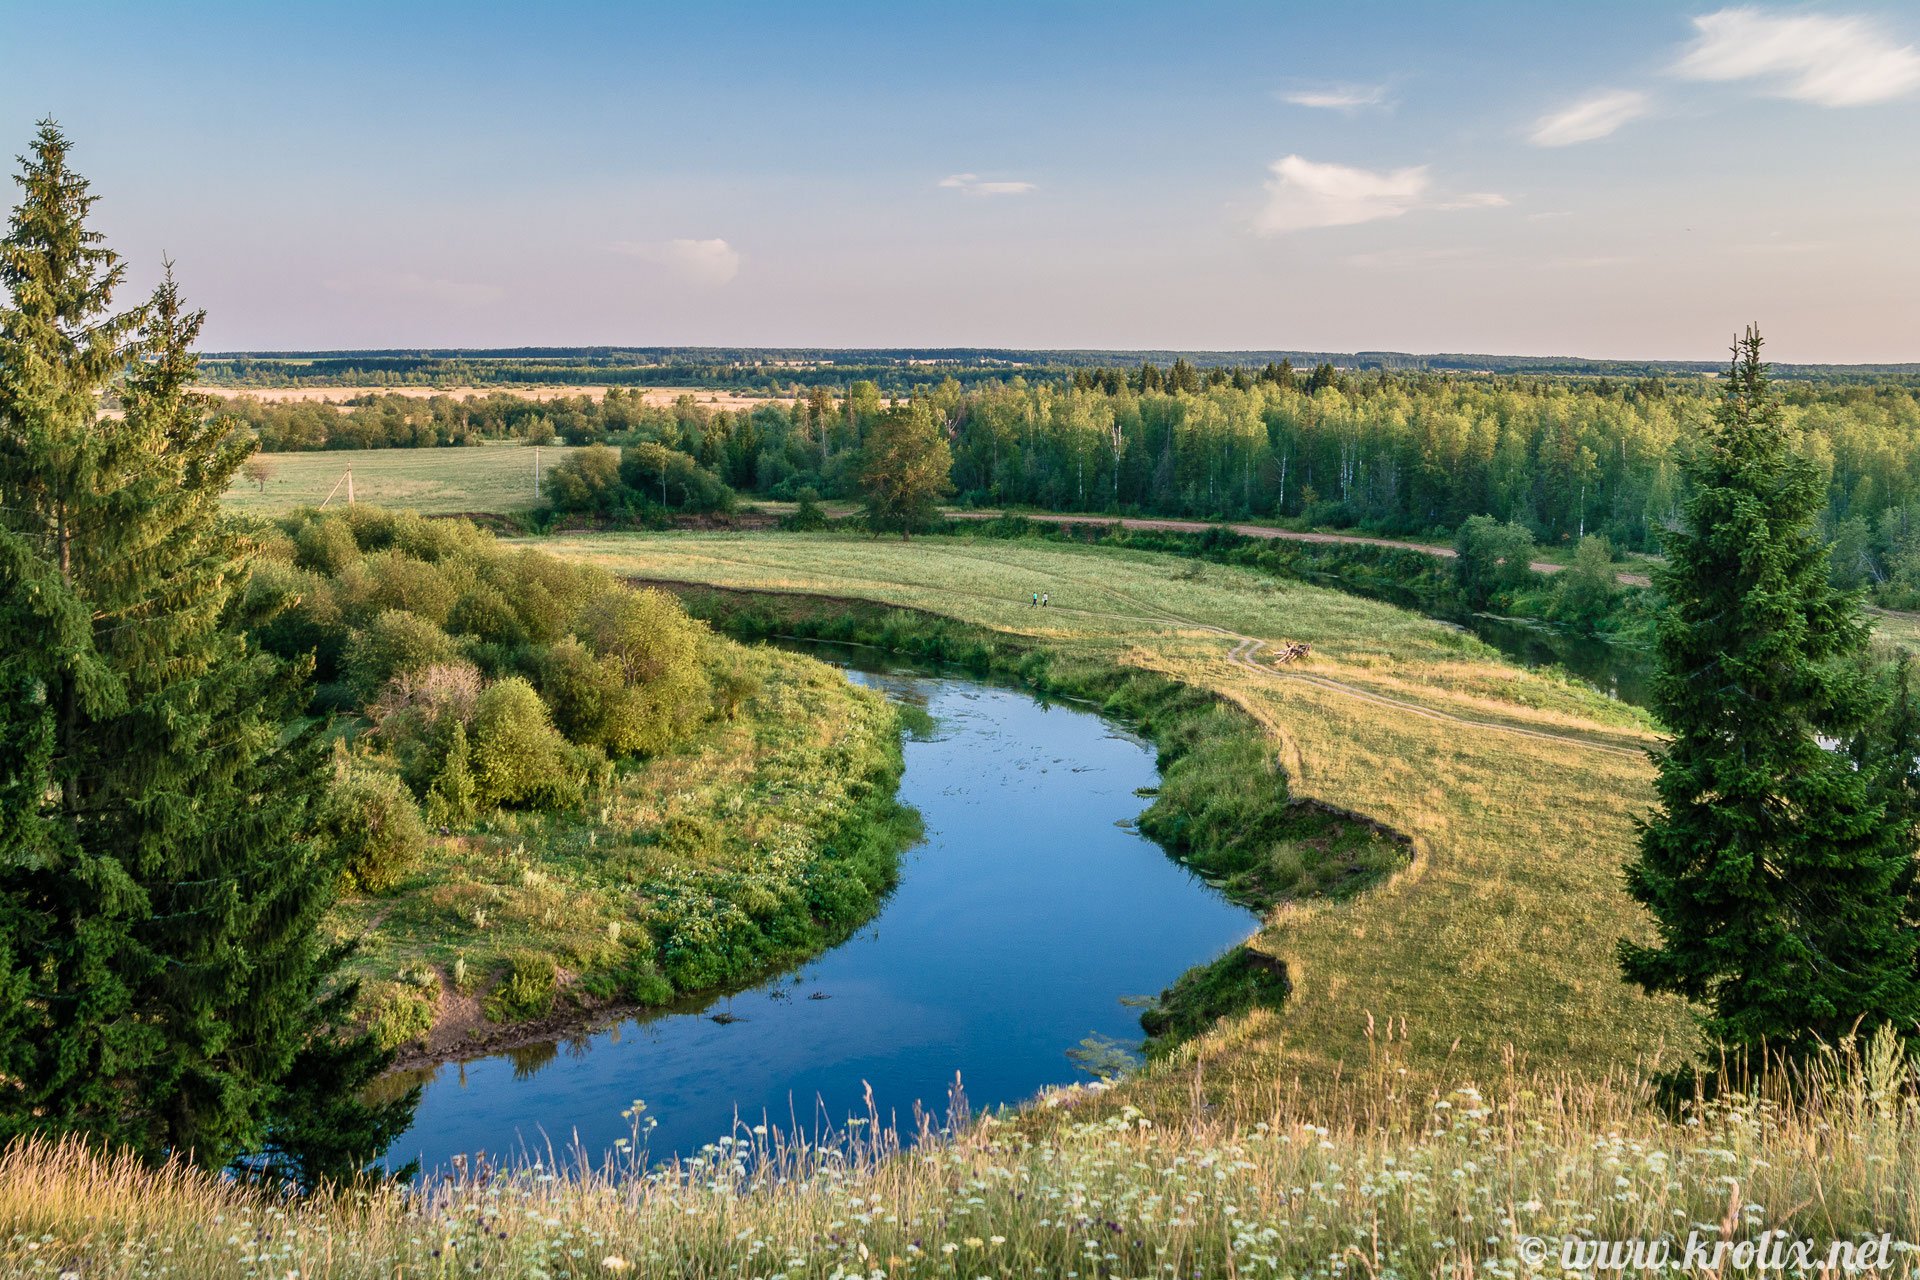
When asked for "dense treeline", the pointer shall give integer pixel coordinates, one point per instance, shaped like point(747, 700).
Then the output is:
point(1405, 454)
point(899, 369)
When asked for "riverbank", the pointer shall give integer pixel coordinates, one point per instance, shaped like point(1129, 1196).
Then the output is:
point(762, 842)
point(1492, 952)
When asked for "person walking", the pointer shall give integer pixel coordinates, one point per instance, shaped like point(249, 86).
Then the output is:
point(1046, 598)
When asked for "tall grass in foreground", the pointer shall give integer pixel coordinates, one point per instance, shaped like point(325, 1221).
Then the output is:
point(1070, 1188)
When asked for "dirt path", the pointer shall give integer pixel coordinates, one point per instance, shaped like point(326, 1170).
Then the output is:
point(1267, 531)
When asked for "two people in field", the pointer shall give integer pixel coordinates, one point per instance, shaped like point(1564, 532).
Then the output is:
point(1041, 599)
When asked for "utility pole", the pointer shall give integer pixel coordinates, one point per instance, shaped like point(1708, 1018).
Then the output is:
point(349, 484)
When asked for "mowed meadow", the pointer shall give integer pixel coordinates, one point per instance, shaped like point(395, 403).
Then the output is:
point(479, 479)
point(1493, 951)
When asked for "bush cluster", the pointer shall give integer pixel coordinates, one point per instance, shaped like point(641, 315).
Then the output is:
point(474, 677)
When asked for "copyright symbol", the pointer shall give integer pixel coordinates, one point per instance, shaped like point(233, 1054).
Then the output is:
point(1533, 1251)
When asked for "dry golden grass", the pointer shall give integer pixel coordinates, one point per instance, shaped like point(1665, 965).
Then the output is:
point(1462, 1183)
point(707, 396)
point(1518, 789)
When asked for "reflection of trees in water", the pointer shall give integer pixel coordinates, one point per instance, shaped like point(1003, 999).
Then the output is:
point(529, 1059)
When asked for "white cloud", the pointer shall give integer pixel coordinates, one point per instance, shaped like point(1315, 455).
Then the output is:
point(1591, 117)
point(1346, 97)
point(1476, 200)
point(971, 184)
point(1303, 194)
point(707, 262)
point(1831, 61)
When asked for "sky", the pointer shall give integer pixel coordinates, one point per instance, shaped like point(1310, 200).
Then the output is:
point(1624, 180)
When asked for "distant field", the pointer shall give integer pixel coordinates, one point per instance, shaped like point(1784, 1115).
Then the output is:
point(472, 478)
point(337, 395)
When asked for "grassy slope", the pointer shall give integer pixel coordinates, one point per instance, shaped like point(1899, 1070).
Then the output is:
point(750, 804)
point(1501, 935)
point(495, 477)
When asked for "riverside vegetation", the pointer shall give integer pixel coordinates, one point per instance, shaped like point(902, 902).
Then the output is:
point(1453, 1038)
point(553, 791)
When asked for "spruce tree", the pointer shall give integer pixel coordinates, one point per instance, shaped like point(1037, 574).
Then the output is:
point(1776, 867)
point(163, 982)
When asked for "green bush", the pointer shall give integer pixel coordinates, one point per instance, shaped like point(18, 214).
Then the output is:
point(519, 758)
point(374, 828)
point(395, 580)
point(527, 990)
point(395, 644)
point(658, 652)
point(486, 614)
point(325, 544)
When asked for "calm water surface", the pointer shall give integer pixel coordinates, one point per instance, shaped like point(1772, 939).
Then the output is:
point(1020, 924)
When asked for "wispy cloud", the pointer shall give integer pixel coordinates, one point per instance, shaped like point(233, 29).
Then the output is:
point(1303, 194)
point(1592, 117)
point(1827, 60)
point(705, 262)
point(1345, 97)
point(973, 184)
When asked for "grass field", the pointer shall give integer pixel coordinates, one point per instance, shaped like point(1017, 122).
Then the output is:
point(1494, 950)
point(494, 477)
point(1449, 1092)
point(749, 806)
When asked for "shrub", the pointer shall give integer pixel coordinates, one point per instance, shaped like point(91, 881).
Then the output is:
point(374, 828)
point(657, 650)
point(519, 758)
point(590, 702)
point(394, 644)
point(450, 797)
point(809, 516)
point(487, 614)
point(395, 580)
point(325, 544)
point(585, 480)
point(527, 990)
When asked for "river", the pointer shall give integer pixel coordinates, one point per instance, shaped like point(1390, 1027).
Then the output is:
point(1030, 918)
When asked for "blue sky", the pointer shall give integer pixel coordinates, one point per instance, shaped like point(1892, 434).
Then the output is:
point(1626, 179)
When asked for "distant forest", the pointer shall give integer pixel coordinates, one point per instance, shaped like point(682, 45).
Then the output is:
point(1411, 453)
point(891, 369)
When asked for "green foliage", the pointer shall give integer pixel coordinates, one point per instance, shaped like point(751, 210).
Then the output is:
point(374, 827)
point(1779, 872)
point(905, 472)
point(1491, 558)
point(395, 644)
point(1586, 590)
point(451, 797)
point(679, 481)
point(658, 654)
point(526, 991)
point(1241, 980)
point(519, 758)
point(163, 983)
point(808, 516)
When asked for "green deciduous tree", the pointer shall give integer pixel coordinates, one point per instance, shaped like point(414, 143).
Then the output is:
point(1778, 870)
point(163, 983)
point(906, 469)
